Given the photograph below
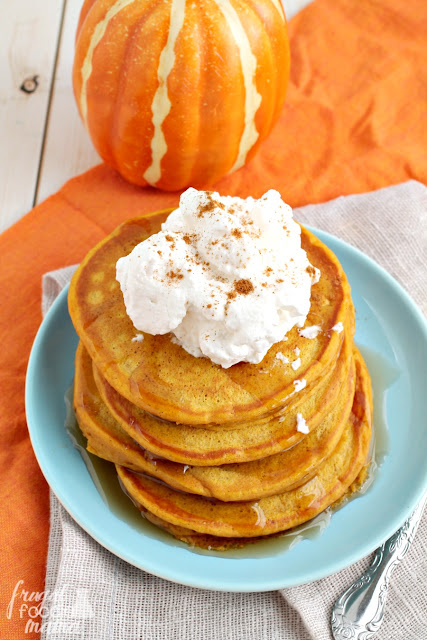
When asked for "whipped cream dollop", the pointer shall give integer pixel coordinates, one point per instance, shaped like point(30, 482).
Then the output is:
point(226, 276)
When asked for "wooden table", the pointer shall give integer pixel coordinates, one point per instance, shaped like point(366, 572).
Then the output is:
point(43, 140)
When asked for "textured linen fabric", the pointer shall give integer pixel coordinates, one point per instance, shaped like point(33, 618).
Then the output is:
point(101, 597)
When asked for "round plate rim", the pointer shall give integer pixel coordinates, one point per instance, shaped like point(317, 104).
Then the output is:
point(205, 582)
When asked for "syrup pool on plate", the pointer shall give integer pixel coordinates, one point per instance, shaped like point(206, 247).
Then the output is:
point(383, 375)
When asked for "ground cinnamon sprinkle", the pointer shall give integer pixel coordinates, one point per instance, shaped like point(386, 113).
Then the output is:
point(236, 233)
point(174, 275)
point(171, 240)
point(210, 205)
point(310, 270)
point(243, 286)
point(186, 239)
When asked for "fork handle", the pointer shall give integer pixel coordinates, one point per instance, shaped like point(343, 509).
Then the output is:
point(359, 612)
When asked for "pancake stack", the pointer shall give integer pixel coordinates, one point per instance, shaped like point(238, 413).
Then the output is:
point(221, 457)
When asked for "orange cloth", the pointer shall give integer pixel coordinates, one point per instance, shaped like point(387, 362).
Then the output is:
point(355, 120)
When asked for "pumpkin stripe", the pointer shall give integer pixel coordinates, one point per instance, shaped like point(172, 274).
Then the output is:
point(279, 7)
point(161, 105)
point(249, 66)
point(98, 34)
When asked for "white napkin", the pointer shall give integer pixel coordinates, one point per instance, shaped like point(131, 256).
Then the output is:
point(94, 595)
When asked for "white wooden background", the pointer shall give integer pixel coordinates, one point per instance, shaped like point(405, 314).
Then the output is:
point(43, 142)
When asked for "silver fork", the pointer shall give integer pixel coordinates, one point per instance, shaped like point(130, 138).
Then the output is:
point(359, 612)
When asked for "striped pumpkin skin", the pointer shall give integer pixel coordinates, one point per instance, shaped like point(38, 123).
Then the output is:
point(180, 92)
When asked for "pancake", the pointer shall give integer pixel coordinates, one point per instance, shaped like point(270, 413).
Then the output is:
point(105, 438)
point(216, 543)
point(232, 482)
point(273, 513)
point(162, 378)
point(205, 447)
point(123, 409)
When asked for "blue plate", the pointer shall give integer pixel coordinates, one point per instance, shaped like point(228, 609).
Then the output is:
point(392, 334)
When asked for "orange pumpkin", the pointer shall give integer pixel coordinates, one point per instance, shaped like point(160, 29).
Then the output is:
point(180, 92)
